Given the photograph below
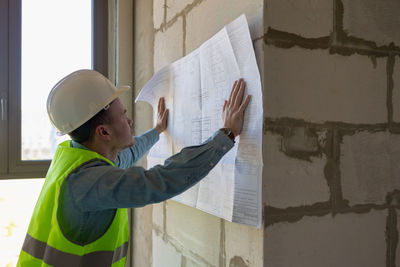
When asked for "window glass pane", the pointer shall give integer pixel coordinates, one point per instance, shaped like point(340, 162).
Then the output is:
point(17, 200)
point(56, 40)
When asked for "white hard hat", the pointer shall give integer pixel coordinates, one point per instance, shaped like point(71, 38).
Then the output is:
point(78, 97)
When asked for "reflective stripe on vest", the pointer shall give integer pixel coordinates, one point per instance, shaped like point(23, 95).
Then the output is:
point(53, 256)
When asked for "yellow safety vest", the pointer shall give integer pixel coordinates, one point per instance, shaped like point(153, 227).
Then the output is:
point(46, 245)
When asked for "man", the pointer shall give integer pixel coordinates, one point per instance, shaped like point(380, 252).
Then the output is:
point(80, 218)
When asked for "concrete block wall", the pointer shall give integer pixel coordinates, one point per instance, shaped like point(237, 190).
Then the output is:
point(331, 94)
point(331, 133)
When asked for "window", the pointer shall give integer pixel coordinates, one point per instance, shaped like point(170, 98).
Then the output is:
point(17, 200)
point(41, 42)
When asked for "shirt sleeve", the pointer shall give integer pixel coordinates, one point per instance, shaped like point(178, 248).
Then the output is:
point(129, 156)
point(101, 187)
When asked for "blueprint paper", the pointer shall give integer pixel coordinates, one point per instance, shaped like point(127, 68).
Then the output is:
point(195, 88)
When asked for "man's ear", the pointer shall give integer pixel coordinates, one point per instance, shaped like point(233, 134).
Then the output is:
point(102, 132)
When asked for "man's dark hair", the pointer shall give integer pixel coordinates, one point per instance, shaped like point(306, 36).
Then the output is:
point(86, 131)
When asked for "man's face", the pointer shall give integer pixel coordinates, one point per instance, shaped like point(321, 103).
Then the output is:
point(121, 126)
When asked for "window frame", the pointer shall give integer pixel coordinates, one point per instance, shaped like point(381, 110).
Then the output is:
point(11, 166)
point(3, 84)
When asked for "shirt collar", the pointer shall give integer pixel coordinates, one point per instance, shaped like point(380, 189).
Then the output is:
point(78, 145)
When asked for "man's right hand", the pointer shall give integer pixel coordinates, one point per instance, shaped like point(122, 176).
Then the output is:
point(162, 116)
point(233, 110)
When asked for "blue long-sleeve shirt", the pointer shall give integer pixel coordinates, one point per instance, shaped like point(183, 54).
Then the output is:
point(92, 193)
